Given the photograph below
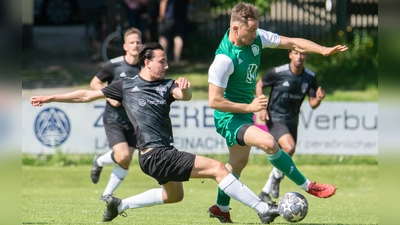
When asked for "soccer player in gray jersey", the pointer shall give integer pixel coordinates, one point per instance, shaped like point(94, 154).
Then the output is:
point(289, 83)
point(119, 130)
point(147, 99)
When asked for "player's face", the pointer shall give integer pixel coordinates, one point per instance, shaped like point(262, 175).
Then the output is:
point(297, 59)
point(132, 44)
point(247, 32)
point(158, 65)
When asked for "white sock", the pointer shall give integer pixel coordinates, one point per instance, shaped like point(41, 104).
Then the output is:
point(305, 185)
point(105, 159)
point(145, 199)
point(277, 173)
point(240, 192)
point(116, 177)
point(223, 208)
point(267, 186)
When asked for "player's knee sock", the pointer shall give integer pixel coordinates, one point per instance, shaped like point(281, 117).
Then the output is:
point(106, 159)
point(283, 162)
point(240, 192)
point(223, 200)
point(117, 176)
point(267, 186)
point(147, 198)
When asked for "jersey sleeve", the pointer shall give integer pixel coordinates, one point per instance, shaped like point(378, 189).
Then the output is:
point(269, 39)
point(269, 78)
point(220, 70)
point(114, 90)
point(313, 88)
point(106, 73)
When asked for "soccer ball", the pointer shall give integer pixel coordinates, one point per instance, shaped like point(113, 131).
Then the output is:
point(293, 207)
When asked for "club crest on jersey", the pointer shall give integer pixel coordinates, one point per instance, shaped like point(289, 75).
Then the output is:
point(161, 90)
point(304, 87)
point(255, 49)
point(251, 73)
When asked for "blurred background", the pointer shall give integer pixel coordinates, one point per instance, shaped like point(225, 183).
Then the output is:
point(63, 39)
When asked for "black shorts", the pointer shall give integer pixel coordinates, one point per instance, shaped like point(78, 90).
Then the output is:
point(277, 130)
point(117, 133)
point(170, 28)
point(167, 164)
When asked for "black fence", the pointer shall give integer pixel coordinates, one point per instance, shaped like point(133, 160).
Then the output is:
point(312, 19)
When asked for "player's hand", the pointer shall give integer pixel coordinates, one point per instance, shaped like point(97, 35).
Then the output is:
point(113, 102)
point(182, 83)
point(263, 115)
point(39, 100)
point(332, 50)
point(320, 94)
point(259, 103)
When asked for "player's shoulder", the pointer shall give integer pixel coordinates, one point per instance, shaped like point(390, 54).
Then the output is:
point(118, 59)
point(309, 72)
point(282, 68)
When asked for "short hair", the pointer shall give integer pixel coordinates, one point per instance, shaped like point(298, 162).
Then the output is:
point(132, 30)
point(243, 11)
point(146, 51)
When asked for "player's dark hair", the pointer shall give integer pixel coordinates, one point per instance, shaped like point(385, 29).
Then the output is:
point(146, 51)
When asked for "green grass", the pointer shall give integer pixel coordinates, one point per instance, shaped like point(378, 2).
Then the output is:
point(65, 194)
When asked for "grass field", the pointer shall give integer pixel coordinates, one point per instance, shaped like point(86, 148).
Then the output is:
point(66, 195)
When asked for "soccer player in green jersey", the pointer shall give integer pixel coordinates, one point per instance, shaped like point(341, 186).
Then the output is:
point(232, 80)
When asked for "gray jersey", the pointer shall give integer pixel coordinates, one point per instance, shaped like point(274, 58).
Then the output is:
point(147, 105)
point(287, 93)
point(114, 70)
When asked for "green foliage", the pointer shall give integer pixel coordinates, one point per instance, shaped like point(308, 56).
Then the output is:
point(262, 5)
point(60, 159)
point(354, 69)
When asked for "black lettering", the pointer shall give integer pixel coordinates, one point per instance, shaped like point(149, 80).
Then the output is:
point(208, 118)
point(347, 118)
point(320, 121)
point(306, 122)
point(335, 117)
point(187, 117)
point(373, 127)
point(99, 120)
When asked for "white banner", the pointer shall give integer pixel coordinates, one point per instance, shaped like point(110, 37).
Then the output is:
point(334, 128)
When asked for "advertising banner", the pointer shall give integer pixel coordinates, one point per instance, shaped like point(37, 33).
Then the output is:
point(335, 128)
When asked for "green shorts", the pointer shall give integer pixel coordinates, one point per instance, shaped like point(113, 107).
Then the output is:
point(228, 124)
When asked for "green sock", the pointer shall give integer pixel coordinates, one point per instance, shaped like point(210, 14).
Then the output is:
point(222, 198)
point(283, 162)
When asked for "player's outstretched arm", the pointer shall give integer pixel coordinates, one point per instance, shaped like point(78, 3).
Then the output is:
point(304, 45)
point(78, 96)
point(183, 91)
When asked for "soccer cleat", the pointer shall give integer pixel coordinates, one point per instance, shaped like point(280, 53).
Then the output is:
point(112, 208)
point(321, 190)
point(215, 212)
point(270, 215)
point(265, 197)
point(96, 170)
point(275, 186)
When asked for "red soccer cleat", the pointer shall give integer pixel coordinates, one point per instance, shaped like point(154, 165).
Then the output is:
point(321, 190)
point(215, 212)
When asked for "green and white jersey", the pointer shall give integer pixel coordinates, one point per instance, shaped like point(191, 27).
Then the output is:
point(235, 68)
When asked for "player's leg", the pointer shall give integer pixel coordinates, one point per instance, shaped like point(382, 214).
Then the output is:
point(283, 134)
point(209, 168)
point(122, 156)
point(254, 136)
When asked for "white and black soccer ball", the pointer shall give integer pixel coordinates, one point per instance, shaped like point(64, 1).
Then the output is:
point(293, 207)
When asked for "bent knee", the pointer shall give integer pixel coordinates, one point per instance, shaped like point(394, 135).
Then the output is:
point(173, 199)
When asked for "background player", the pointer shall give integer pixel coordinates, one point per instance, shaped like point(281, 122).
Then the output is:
point(119, 130)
